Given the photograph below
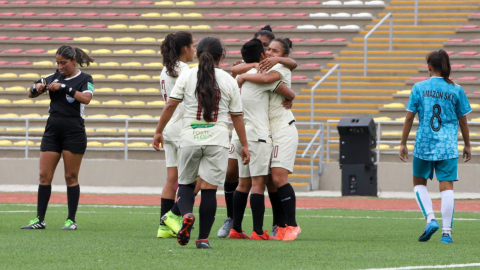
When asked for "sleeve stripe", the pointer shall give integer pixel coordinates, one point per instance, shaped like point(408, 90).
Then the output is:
point(236, 113)
point(174, 98)
point(409, 110)
point(467, 113)
point(278, 86)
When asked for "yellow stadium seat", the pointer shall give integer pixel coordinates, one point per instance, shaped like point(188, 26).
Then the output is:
point(130, 130)
point(138, 144)
point(16, 89)
point(1, 88)
point(475, 106)
point(52, 51)
point(172, 14)
point(409, 147)
point(23, 101)
point(146, 39)
point(8, 115)
point(394, 105)
point(125, 39)
point(383, 147)
point(156, 103)
point(15, 129)
point(120, 116)
point(104, 90)
point(45, 115)
point(83, 39)
point(8, 75)
point(105, 39)
point(29, 75)
point(475, 148)
point(147, 130)
point(94, 102)
point(164, 3)
point(185, 3)
point(101, 51)
point(149, 90)
point(193, 65)
point(138, 26)
point(98, 116)
point(392, 133)
point(31, 115)
point(146, 116)
point(152, 14)
point(85, 50)
point(155, 64)
point(114, 144)
point(382, 118)
point(118, 77)
point(98, 76)
point(124, 51)
point(146, 51)
point(43, 101)
point(131, 64)
point(94, 144)
point(127, 90)
point(404, 92)
point(201, 27)
point(192, 15)
point(135, 103)
point(43, 63)
point(180, 27)
point(140, 77)
point(89, 130)
point(157, 77)
point(36, 130)
point(23, 143)
point(109, 64)
point(5, 143)
point(112, 102)
point(5, 101)
point(475, 120)
point(118, 26)
point(106, 130)
point(402, 119)
point(93, 64)
point(38, 144)
point(159, 26)
point(160, 39)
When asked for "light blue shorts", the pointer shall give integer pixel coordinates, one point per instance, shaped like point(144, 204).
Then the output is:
point(446, 170)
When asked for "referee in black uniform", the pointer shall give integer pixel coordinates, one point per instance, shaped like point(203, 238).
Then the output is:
point(70, 90)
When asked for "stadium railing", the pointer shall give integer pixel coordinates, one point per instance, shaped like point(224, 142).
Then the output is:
point(416, 12)
point(314, 153)
point(312, 90)
point(365, 39)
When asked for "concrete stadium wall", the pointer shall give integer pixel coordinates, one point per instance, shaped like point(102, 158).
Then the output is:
point(392, 177)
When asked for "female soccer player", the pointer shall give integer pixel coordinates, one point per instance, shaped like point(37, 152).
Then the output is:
point(70, 90)
point(285, 140)
point(209, 95)
point(441, 106)
point(177, 50)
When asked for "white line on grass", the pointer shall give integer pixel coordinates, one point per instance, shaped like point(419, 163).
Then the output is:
point(428, 267)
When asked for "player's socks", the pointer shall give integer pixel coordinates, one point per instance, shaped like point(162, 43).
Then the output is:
point(165, 206)
point(289, 201)
point(277, 209)
point(424, 202)
point(73, 196)
point(44, 193)
point(186, 198)
point(175, 210)
point(240, 200)
point(257, 204)
point(229, 190)
point(448, 209)
point(208, 209)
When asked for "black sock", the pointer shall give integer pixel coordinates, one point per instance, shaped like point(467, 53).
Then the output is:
point(287, 196)
point(186, 198)
point(257, 204)
point(44, 193)
point(208, 209)
point(240, 200)
point(73, 195)
point(175, 209)
point(229, 189)
point(277, 209)
point(167, 205)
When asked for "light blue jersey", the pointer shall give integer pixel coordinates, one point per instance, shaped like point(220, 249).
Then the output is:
point(439, 105)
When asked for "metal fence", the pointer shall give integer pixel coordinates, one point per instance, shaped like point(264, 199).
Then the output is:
point(365, 40)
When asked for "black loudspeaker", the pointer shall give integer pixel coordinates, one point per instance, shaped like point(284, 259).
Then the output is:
point(357, 141)
point(359, 180)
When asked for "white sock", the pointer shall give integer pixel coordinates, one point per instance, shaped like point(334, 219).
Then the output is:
point(424, 202)
point(448, 208)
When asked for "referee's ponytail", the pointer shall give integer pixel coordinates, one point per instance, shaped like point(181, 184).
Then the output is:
point(171, 49)
point(440, 62)
point(209, 51)
point(70, 52)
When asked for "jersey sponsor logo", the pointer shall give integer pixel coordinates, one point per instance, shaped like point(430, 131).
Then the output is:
point(202, 135)
point(196, 125)
point(232, 148)
point(91, 87)
point(69, 98)
point(438, 95)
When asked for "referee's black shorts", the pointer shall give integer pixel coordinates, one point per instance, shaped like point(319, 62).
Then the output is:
point(64, 133)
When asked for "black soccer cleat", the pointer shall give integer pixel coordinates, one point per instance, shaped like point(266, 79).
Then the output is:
point(202, 243)
point(35, 224)
point(183, 235)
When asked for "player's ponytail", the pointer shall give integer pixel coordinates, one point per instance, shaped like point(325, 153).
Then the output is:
point(171, 48)
point(440, 62)
point(265, 31)
point(69, 52)
point(286, 43)
point(207, 91)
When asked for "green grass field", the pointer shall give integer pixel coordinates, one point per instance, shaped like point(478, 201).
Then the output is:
point(124, 238)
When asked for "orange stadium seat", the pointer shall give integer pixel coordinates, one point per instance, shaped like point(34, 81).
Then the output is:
point(41, 38)
point(13, 25)
point(468, 53)
point(76, 26)
point(222, 27)
point(234, 52)
point(68, 14)
point(467, 78)
point(226, 3)
point(34, 25)
point(123, 3)
point(97, 26)
point(310, 65)
point(298, 15)
point(227, 40)
point(277, 14)
point(63, 38)
point(270, 3)
point(234, 15)
point(337, 40)
point(20, 38)
point(35, 51)
point(206, 3)
point(144, 3)
point(4, 63)
point(40, 2)
point(469, 26)
point(82, 3)
point(458, 66)
point(299, 77)
point(296, 40)
point(421, 78)
point(475, 66)
point(3, 2)
point(89, 14)
point(290, 3)
point(55, 25)
point(315, 40)
point(456, 40)
point(475, 40)
point(4, 38)
point(102, 2)
point(248, 3)
point(19, 3)
point(7, 14)
point(286, 27)
point(130, 15)
point(213, 15)
point(21, 63)
point(323, 53)
point(47, 14)
point(256, 15)
point(450, 52)
point(27, 14)
point(301, 53)
point(109, 14)
point(13, 51)
point(243, 27)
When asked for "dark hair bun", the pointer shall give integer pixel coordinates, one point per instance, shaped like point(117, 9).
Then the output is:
point(289, 42)
point(267, 28)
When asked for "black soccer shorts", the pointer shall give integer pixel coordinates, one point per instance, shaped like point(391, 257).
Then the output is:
point(64, 133)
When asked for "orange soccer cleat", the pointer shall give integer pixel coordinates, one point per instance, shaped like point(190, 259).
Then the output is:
point(280, 233)
point(291, 233)
point(263, 236)
point(236, 235)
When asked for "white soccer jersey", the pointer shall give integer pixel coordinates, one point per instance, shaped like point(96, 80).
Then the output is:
point(278, 115)
point(167, 82)
point(196, 131)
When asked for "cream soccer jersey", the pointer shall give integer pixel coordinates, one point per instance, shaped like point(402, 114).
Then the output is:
point(195, 130)
point(278, 115)
point(167, 82)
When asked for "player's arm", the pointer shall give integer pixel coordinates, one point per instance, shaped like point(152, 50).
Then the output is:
point(37, 88)
point(406, 130)
point(467, 152)
point(242, 68)
point(264, 78)
point(285, 91)
point(78, 95)
point(167, 114)
point(267, 63)
point(239, 126)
